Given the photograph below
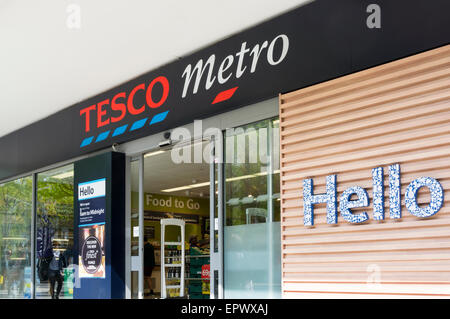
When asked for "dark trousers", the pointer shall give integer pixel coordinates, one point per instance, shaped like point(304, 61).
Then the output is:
point(55, 277)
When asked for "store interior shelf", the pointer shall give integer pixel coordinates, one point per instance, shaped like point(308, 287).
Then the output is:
point(173, 243)
point(176, 270)
point(173, 287)
point(173, 265)
point(206, 279)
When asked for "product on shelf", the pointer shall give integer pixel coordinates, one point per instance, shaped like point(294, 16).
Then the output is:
point(198, 288)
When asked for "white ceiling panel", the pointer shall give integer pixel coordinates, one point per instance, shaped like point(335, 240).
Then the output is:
point(54, 53)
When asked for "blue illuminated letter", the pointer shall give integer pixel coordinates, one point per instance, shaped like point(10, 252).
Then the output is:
point(437, 197)
point(309, 200)
point(378, 193)
point(395, 207)
point(345, 204)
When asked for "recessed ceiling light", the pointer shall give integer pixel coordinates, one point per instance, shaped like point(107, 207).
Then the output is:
point(153, 153)
point(230, 179)
point(63, 175)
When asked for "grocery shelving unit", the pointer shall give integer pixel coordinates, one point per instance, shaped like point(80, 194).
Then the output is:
point(195, 256)
point(198, 287)
point(164, 265)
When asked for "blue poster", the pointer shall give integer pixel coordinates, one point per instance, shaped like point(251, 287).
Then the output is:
point(92, 202)
point(91, 228)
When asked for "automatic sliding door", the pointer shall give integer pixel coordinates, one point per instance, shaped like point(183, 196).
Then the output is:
point(252, 248)
point(216, 213)
point(168, 183)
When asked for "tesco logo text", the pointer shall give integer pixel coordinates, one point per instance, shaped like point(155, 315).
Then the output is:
point(114, 110)
point(202, 73)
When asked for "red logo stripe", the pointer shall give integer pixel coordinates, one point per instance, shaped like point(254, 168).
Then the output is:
point(224, 95)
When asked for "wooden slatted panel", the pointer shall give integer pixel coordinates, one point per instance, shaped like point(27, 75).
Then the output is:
point(394, 113)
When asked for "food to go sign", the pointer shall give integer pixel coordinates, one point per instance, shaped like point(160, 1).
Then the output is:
point(175, 204)
point(395, 208)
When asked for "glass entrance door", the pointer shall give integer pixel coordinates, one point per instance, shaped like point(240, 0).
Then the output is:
point(252, 259)
point(231, 204)
point(168, 183)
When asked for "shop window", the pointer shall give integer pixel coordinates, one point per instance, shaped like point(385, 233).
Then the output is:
point(15, 236)
point(54, 233)
point(252, 212)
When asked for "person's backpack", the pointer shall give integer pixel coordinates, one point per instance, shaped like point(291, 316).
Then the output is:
point(43, 266)
point(44, 236)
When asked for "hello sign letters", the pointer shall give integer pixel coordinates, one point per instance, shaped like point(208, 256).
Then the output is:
point(395, 208)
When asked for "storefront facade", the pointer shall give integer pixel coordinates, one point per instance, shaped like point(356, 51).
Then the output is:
point(298, 119)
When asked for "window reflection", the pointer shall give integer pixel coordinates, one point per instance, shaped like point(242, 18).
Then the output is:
point(54, 234)
point(252, 255)
point(252, 174)
point(15, 234)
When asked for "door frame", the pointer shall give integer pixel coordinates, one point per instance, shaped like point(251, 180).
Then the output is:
point(216, 220)
point(134, 150)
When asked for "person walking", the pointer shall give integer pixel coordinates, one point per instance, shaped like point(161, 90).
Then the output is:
point(149, 263)
point(54, 273)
